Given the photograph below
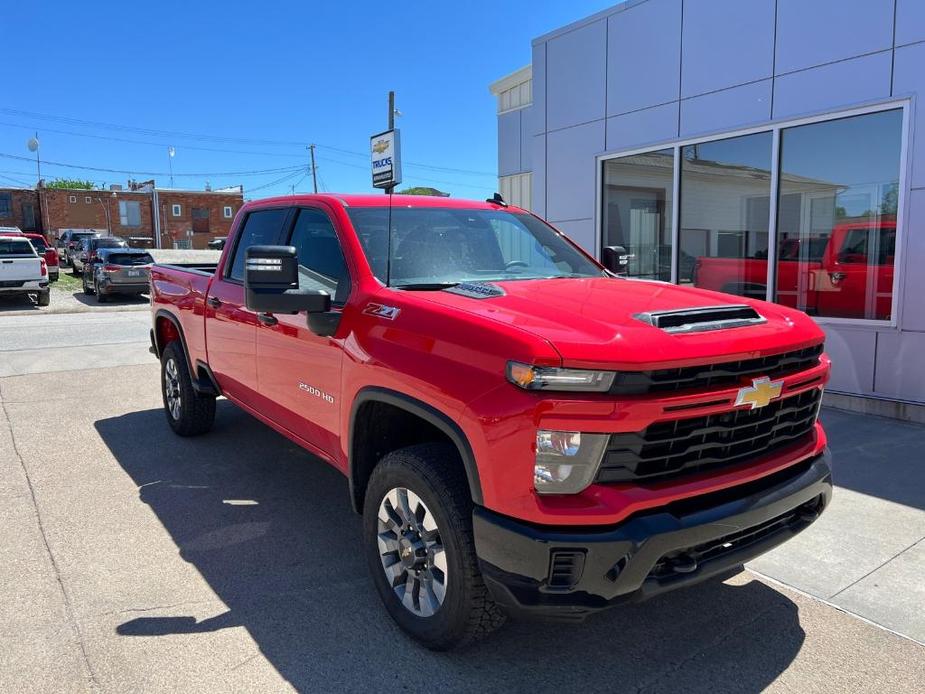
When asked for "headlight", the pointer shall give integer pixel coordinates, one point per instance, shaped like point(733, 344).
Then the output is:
point(566, 461)
point(553, 378)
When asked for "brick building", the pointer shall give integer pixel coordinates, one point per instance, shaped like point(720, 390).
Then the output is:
point(19, 207)
point(193, 218)
point(120, 213)
point(145, 215)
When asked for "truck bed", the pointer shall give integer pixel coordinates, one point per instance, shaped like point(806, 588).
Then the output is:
point(178, 293)
point(19, 263)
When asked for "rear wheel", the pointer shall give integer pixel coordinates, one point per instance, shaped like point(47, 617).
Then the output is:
point(420, 548)
point(189, 413)
point(44, 297)
point(87, 289)
point(100, 297)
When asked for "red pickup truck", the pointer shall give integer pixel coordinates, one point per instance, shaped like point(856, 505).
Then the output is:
point(832, 275)
point(522, 431)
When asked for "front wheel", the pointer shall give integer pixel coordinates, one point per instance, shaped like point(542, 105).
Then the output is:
point(188, 413)
point(420, 548)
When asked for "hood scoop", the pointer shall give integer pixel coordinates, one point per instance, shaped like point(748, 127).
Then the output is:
point(476, 290)
point(697, 320)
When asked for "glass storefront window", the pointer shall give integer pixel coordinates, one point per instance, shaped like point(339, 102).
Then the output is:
point(836, 224)
point(725, 194)
point(637, 203)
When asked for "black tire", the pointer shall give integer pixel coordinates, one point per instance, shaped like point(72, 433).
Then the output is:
point(44, 297)
point(100, 297)
point(195, 412)
point(434, 473)
point(87, 289)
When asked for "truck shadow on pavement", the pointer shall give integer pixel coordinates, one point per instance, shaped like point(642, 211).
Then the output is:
point(876, 456)
point(19, 302)
point(271, 531)
point(112, 299)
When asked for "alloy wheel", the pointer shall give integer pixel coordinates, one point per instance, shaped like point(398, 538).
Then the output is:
point(172, 388)
point(411, 552)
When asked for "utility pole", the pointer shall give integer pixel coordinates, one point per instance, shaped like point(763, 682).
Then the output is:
point(390, 189)
point(311, 149)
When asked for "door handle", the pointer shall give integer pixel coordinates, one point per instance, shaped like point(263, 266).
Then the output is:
point(214, 302)
point(267, 318)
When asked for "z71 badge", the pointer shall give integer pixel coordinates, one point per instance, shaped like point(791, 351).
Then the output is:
point(387, 312)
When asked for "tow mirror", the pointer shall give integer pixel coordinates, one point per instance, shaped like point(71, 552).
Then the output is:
point(271, 283)
point(615, 259)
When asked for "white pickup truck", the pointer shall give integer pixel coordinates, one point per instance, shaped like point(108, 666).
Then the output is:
point(22, 270)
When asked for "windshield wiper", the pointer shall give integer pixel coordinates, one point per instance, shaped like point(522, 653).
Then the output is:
point(425, 286)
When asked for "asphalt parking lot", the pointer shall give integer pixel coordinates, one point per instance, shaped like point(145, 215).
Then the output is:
point(135, 560)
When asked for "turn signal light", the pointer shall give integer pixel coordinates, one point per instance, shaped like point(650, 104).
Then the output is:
point(554, 378)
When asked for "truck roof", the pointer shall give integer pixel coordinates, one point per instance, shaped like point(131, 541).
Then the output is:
point(382, 200)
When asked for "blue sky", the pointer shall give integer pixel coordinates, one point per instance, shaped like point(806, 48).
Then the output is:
point(111, 85)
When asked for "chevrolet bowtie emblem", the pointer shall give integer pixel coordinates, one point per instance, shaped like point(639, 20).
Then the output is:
point(760, 393)
point(380, 146)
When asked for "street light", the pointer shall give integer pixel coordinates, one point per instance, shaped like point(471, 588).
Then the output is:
point(106, 211)
point(171, 153)
point(33, 146)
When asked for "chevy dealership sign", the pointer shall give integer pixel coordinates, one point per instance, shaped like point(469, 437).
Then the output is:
point(385, 149)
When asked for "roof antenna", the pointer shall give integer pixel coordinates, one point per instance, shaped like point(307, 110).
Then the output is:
point(496, 199)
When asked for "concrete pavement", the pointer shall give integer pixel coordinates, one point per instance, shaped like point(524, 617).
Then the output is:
point(65, 342)
point(135, 560)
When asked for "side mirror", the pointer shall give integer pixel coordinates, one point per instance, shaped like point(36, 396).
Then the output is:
point(615, 259)
point(271, 283)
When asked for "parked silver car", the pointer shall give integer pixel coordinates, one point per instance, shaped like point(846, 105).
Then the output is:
point(118, 271)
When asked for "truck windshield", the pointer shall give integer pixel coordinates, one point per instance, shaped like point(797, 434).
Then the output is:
point(438, 247)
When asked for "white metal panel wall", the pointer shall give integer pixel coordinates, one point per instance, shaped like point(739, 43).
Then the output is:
point(825, 56)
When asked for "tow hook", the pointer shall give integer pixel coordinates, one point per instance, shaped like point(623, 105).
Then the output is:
point(683, 564)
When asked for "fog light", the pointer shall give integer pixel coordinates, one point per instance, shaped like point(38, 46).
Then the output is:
point(566, 461)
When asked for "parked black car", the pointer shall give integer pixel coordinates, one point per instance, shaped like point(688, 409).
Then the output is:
point(118, 271)
point(86, 253)
point(69, 241)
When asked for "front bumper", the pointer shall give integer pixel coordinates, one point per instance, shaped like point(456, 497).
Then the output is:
point(570, 572)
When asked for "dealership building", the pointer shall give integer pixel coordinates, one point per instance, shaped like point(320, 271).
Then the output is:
point(769, 148)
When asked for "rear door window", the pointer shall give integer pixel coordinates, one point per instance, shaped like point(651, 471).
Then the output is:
point(10, 247)
point(129, 258)
point(262, 227)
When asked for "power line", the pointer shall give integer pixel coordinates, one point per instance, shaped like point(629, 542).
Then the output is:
point(145, 142)
point(276, 182)
point(14, 180)
point(255, 172)
point(431, 167)
point(202, 137)
point(151, 132)
point(416, 177)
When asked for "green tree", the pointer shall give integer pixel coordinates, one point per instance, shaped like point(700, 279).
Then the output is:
point(71, 184)
point(423, 190)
